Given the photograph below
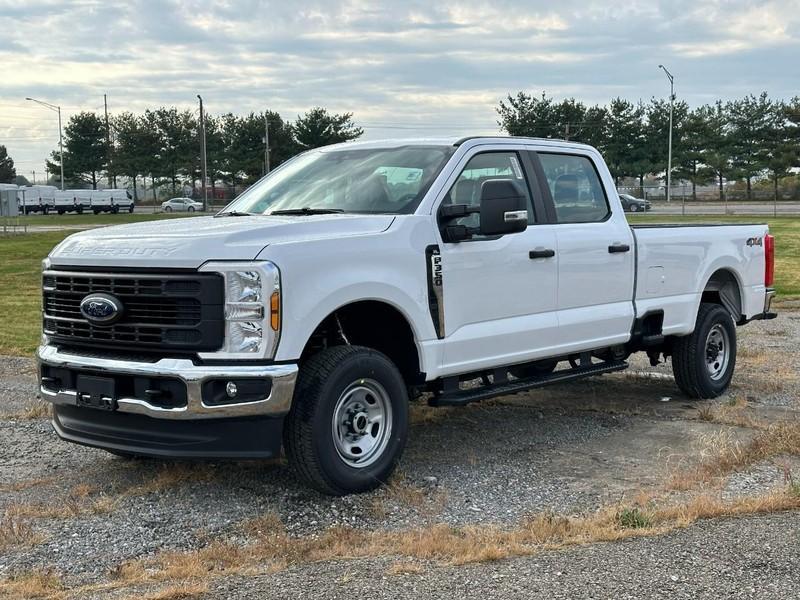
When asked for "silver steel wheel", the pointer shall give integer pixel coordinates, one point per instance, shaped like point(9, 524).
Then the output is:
point(718, 351)
point(362, 423)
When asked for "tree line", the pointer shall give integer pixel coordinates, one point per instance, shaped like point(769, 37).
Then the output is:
point(164, 146)
point(744, 139)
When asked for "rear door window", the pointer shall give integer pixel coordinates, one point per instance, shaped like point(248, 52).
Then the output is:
point(575, 187)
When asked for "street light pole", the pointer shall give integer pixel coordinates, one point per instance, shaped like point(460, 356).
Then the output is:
point(266, 143)
point(60, 137)
point(669, 151)
point(203, 148)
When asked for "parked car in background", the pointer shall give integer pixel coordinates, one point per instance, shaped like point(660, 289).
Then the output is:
point(112, 201)
point(633, 204)
point(181, 204)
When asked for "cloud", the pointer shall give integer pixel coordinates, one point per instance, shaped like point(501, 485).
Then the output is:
point(402, 68)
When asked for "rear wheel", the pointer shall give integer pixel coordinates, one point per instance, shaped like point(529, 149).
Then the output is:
point(634, 208)
point(130, 208)
point(348, 424)
point(703, 362)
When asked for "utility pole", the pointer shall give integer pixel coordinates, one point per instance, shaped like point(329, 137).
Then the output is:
point(60, 136)
point(266, 143)
point(34, 177)
point(669, 151)
point(112, 180)
point(566, 132)
point(203, 150)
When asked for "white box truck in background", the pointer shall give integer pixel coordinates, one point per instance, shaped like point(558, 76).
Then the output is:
point(112, 201)
point(36, 198)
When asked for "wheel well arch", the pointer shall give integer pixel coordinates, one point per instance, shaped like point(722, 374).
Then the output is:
point(372, 323)
point(723, 288)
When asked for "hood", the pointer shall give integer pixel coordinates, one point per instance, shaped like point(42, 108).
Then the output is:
point(190, 242)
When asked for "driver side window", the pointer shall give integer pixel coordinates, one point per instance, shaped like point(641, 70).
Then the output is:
point(480, 169)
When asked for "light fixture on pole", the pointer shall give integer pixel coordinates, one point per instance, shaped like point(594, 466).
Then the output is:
point(669, 152)
point(60, 137)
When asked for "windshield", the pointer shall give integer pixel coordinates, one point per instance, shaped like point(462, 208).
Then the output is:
point(377, 180)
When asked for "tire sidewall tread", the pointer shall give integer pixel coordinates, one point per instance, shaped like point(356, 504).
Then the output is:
point(688, 354)
point(307, 432)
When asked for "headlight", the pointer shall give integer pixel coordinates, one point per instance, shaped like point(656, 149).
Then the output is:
point(252, 309)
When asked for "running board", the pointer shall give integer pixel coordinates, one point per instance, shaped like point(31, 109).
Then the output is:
point(458, 397)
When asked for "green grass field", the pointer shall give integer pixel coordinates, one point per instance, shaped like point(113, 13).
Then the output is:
point(70, 219)
point(20, 272)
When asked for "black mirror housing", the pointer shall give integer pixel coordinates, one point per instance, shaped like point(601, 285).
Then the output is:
point(503, 207)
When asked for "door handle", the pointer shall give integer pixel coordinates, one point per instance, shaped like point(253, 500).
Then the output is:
point(542, 253)
point(613, 248)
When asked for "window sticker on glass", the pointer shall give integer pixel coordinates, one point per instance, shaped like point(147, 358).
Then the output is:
point(515, 166)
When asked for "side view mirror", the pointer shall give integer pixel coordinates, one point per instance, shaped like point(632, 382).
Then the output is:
point(503, 208)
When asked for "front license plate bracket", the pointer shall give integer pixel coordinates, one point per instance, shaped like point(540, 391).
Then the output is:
point(96, 392)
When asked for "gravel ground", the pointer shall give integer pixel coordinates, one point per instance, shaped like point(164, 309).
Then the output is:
point(566, 449)
point(754, 557)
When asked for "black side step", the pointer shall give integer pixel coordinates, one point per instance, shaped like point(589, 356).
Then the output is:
point(460, 397)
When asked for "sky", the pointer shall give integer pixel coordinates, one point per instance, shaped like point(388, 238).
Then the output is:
point(403, 68)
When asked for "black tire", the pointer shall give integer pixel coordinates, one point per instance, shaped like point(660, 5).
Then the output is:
point(634, 208)
point(691, 361)
point(308, 434)
point(130, 208)
point(191, 209)
point(80, 210)
point(115, 210)
point(167, 209)
point(45, 210)
point(544, 367)
point(97, 212)
point(60, 212)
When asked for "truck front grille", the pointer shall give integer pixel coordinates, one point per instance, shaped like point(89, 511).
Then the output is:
point(172, 312)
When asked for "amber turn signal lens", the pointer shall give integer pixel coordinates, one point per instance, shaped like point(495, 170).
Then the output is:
point(275, 311)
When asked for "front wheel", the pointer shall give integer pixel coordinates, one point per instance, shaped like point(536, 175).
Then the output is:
point(167, 209)
point(130, 208)
point(348, 424)
point(634, 208)
point(703, 362)
point(191, 209)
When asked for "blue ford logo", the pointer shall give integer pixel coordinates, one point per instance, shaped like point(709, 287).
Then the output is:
point(101, 309)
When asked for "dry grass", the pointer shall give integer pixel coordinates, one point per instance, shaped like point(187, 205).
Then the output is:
point(32, 584)
point(20, 486)
point(37, 409)
point(733, 412)
point(181, 591)
point(271, 548)
point(725, 453)
point(770, 371)
point(82, 500)
point(400, 491)
point(173, 475)
point(420, 413)
point(16, 531)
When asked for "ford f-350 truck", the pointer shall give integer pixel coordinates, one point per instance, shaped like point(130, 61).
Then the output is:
point(354, 277)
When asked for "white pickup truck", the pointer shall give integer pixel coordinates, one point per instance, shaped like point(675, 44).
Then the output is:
point(357, 276)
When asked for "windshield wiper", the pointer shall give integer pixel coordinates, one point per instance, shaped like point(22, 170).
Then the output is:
point(235, 213)
point(306, 210)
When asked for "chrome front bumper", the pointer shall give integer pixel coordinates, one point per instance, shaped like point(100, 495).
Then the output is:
point(277, 404)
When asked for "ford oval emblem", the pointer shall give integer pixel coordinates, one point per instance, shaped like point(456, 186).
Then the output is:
point(101, 309)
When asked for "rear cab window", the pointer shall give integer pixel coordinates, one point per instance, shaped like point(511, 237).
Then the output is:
point(575, 187)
